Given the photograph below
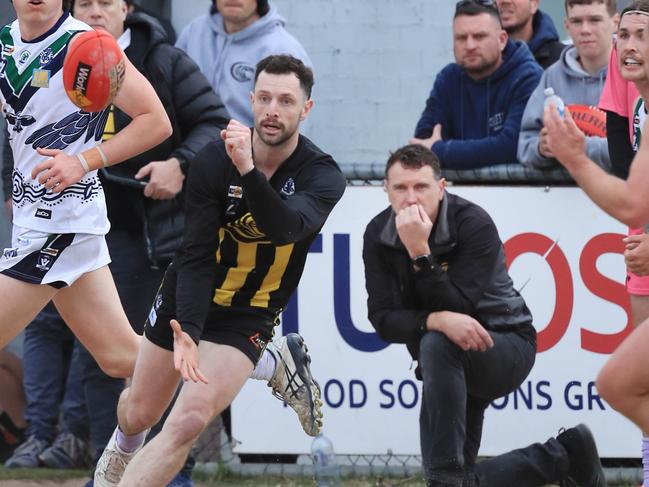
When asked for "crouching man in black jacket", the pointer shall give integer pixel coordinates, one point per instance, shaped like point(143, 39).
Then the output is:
point(437, 281)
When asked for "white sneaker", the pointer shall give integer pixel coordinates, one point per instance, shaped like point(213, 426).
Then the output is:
point(293, 383)
point(112, 463)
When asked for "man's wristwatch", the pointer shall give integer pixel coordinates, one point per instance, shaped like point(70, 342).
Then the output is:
point(424, 262)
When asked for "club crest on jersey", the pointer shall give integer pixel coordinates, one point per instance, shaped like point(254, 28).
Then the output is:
point(46, 56)
point(289, 187)
point(44, 262)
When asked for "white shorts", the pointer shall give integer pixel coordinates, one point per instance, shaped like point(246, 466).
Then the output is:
point(57, 259)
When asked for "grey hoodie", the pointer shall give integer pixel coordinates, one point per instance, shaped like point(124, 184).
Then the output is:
point(229, 60)
point(574, 86)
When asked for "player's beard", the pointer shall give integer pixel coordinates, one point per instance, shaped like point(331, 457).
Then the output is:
point(282, 136)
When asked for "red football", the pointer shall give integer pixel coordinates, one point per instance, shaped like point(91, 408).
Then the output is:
point(590, 120)
point(93, 70)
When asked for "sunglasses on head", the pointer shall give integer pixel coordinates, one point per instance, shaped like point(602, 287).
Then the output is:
point(483, 3)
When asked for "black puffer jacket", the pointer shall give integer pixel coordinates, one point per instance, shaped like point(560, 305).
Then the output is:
point(196, 114)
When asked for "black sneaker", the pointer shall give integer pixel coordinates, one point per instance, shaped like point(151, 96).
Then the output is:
point(26, 455)
point(67, 452)
point(9, 442)
point(585, 467)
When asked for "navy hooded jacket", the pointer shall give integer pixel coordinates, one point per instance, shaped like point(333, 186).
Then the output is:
point(480, 119)
point(545, 44)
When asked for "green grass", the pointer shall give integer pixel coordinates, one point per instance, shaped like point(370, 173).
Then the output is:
point(41, 474)
point(223, 478)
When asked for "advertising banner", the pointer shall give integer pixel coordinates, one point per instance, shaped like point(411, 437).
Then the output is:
point(565, 257)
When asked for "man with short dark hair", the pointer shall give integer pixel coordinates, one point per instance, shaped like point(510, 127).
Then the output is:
point(473, 115)
point(523, 21)
point(437, 281)
point(255, 203)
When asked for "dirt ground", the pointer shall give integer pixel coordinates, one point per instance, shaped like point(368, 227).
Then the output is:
point(53, 483)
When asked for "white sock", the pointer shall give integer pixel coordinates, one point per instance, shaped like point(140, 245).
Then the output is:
point(129, 443)
point(645, 461)
point(265, 367)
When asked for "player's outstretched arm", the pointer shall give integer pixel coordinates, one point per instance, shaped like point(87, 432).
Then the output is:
point(621, 199)
point(148, 128)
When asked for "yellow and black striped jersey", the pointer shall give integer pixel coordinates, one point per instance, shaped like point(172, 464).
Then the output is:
point(247, 237)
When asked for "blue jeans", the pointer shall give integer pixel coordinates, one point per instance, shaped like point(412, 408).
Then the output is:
point(52, 378)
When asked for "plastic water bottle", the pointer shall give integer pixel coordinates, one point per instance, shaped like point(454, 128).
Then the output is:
point(327, 471)
point(551, 97)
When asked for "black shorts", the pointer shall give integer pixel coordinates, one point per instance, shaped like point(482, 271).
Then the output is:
point(246, 329)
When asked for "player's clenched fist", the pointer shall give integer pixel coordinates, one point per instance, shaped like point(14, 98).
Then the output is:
point(238, 145)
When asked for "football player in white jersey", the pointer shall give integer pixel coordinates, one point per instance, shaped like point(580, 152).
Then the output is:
point(58, 251)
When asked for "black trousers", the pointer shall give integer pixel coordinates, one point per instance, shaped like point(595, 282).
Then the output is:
point(457, 388)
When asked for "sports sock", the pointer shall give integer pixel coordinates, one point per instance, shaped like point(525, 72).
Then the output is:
point(265, 367)
point(645, 461)
point(129, 443)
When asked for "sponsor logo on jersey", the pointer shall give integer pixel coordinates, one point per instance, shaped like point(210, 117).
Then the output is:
point(10, 253)
point(242, 72)
point(235, 192)
point(42, 213)
point(289, 187)
point(41, 78)
point(23, 57)
point(44, 262)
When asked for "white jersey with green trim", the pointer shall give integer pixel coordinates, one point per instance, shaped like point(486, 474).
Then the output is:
point(39, 114)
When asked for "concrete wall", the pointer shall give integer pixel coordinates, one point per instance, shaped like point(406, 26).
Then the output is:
point(375, 62)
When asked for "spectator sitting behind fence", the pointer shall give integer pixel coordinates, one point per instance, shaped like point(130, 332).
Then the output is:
point(437, 281)
point(228, 43)
point(577, 78)
point(523, 21)
point(473, 114)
